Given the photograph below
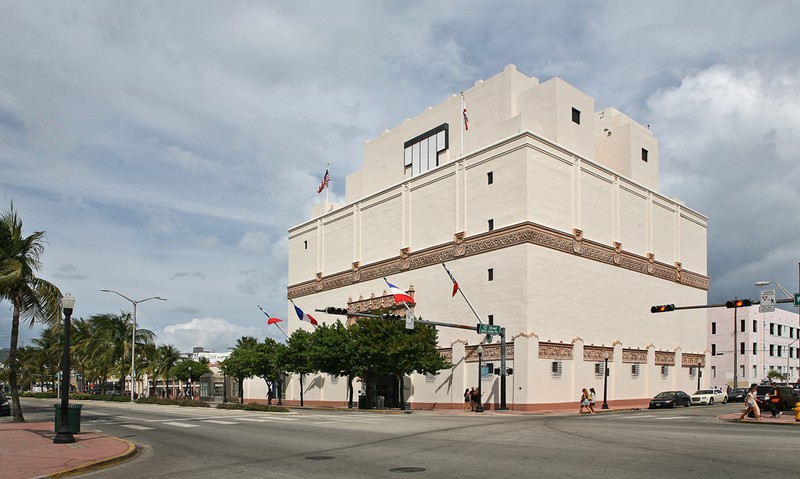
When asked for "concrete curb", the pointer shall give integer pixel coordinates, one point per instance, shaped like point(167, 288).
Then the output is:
point(131, 452)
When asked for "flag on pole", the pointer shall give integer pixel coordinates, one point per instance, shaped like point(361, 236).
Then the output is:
point(270, 319)
point(325, 180)
point(302, 315)
point(400, 296)
point(453, 279)
point(464, 109)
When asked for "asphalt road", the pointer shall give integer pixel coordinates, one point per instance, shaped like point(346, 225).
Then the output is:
point(193, 442)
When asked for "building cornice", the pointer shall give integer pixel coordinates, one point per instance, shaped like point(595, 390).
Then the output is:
point(524, 233)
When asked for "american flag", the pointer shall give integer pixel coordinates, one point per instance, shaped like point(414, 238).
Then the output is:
point(325, 180)
point(464, 107)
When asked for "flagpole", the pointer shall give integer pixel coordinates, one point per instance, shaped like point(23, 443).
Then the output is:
point(463, 105)
point(276, 324)
point(460, 290)
point(327, 190)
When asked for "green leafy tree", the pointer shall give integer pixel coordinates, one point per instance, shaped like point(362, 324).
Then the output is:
point(334, 352)
point(240, 363)
point(297, 357)
point(188, 370)
point(32, 299)
point(266, 363)
point(167, 356)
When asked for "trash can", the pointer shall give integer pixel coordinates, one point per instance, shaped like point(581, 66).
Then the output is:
point(74, 418)
point(379, 402)
point(362, 401)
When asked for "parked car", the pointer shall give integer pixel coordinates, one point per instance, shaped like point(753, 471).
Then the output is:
point(5, 406)
point(709, 396)
point(737, 394)
point(788, 397)
point(671, 399)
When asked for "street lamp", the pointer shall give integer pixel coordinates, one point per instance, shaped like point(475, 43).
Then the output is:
point(133, 333)
point(191, 391)
point(479, 402)
point(64, 435)
point(605, 382)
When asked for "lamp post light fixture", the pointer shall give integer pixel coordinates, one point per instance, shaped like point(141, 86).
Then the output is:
point(605, 382)
point(64, 435)
point(133, 334)
point(479, 402)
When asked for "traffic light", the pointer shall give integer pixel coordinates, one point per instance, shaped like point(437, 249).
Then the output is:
point(738, 303)
point(391, 316)
point(332, 310)
point(662, 308)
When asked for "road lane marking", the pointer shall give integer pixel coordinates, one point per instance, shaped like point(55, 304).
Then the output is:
point(674, 417)
point(217, 421)
point(137, 426)
point(181, 424)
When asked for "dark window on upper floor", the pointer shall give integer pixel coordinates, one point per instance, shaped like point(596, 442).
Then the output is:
point(741, 348)
point(491, 319)
point(755, 348)
point(742, 325)
point(713, 349)
point(713, 327)
point(305, 244)
point(491, 225)
point(576, 116)
point(644, 155)
point(491, 274)
point(755, 326)
point(490, 177)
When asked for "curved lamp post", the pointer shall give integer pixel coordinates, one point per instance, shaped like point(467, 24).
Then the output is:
point(64, 435)
point(479, 402)
point(133, 333)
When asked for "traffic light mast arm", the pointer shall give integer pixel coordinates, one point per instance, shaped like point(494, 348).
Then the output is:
point(723, 305)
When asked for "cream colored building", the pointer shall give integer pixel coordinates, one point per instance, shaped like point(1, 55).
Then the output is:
point(549, 216)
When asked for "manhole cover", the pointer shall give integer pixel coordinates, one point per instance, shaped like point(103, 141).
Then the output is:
point(320, 458)
point(407, 469)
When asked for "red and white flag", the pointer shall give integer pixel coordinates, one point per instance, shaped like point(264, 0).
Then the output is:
point(400, 296)
point(464, 109)
point(325, 180)
point(453, 279)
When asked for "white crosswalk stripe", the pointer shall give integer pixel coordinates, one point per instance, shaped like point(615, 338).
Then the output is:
point(181, 424)
point(217, 421)
point(137, 427)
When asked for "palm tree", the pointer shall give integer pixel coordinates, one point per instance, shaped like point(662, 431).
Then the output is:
point(33, 299)
point(167, 356)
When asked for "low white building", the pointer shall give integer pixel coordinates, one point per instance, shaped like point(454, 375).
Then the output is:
point(549, 216)
point(756, 342)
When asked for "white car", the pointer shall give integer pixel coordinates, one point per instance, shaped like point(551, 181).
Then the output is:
point(709, 396)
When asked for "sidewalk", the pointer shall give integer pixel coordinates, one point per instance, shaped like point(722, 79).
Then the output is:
point(27, 451)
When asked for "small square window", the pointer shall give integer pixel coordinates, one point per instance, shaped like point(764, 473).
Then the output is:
point(644, 155)
point(490, 177)
point(491, 274)
point(576, 116)
point(491, 225)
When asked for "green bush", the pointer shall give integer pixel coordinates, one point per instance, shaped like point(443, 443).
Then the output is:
point(83, 396)
point(252, 407)
point(172, 402)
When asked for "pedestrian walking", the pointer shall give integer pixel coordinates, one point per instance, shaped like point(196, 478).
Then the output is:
point(774, 398)
point(467, 399)
point(472, 399)
point(750, 403)
point(592, 399)
point(585, 402)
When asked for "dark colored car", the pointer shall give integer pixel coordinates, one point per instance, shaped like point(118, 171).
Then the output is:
point(5, 405)
point(788, 397)
point(671, 399)
point(737, 395)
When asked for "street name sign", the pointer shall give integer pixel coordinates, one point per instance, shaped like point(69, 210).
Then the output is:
point(488, 329)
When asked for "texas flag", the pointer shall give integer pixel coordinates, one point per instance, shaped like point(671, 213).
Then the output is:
point(302, 315)
point(400, 296)
point(453, 279)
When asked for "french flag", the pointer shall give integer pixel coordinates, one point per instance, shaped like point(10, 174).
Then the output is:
point(400, 296)
point(302, 315)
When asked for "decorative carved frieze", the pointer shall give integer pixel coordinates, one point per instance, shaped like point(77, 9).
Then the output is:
point(665, 358)
point(597, 353)
point(634, 356)
point(555, 351)
point(447, 354)
point(689, 360)
point(524, 233)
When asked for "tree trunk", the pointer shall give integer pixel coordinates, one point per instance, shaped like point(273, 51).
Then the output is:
point(350, 391)
point(402, 394)
point(301, 390)
point(241, 390)
point(12, 365)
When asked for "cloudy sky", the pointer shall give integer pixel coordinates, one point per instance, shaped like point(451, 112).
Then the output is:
point(166, 147)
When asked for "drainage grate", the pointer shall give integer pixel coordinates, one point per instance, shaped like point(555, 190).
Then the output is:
point(407, 469)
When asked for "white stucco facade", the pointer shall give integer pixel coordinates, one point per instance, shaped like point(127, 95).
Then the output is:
point(549, 217)
point(762, 342)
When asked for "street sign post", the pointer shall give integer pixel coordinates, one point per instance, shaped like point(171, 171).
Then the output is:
point(410, 319)
point(493, 329)
point(767, 304)
point(797, 300)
